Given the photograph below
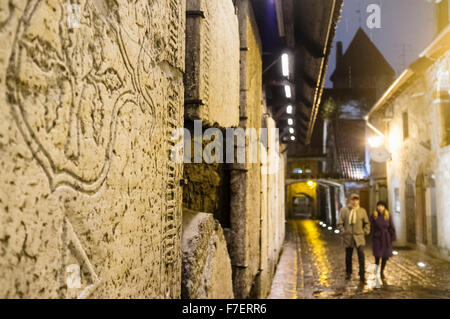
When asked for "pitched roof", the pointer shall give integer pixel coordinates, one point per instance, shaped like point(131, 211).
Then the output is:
point(364, 58)
point(350, 149)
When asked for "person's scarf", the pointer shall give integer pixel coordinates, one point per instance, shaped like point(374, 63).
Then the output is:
point(352, 217)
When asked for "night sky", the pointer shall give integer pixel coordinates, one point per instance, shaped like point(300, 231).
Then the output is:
point(407, 28)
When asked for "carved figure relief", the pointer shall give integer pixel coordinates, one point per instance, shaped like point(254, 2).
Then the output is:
point(67, 84)
point(67, 109)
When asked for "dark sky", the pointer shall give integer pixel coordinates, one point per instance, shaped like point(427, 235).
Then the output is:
point(407, 28)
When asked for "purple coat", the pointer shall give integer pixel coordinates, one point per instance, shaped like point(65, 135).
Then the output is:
point(383, 234)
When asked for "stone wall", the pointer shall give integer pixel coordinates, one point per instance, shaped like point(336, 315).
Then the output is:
point(90, 199)
point(421, 155)
point(245, 178)
point(212, 62)
point(88, 103)
point(275, 201)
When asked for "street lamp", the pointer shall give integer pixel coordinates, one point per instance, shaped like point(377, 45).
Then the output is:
point(285, 64)
point(376, 141)
point(287, 89)
point(289, 109)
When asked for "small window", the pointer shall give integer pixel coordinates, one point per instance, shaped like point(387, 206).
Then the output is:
point(405, 125)
point(298, 171)
point(308, 171)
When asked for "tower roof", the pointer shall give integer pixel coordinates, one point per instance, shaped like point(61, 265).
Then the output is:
point(364, 59)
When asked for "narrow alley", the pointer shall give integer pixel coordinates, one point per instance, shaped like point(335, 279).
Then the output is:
point(215, 149)
point(312, 266)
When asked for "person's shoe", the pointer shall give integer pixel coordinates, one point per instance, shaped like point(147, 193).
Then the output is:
point(348, 276)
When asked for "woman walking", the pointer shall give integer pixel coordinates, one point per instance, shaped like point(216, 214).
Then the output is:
point(383, 234)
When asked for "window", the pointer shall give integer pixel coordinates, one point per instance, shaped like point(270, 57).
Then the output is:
point(405, 125)
point(298, 171)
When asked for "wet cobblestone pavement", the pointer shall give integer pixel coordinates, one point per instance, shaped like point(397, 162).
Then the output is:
point(312, 266)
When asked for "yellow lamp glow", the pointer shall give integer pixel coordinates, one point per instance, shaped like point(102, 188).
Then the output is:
point(395, 139)
point(376, 141)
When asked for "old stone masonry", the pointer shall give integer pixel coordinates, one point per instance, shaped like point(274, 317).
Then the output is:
point(86, 180)
point(91, 204)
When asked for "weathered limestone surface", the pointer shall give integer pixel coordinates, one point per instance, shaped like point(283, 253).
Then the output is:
point(422, 153)
point(202, 191)
point(206, 263)
point(245, 246)
point(275, 203)
point(212, 62)
point(86, 179)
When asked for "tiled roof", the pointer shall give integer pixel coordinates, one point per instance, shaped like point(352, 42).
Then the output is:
point(350, 149)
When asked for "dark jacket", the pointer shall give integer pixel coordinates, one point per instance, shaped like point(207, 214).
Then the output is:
point(383, 234)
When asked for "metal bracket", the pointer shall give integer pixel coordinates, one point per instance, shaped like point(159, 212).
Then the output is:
point(196, 14)
point(198, 102)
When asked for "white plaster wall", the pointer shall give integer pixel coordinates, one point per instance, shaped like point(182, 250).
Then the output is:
point(410, 155)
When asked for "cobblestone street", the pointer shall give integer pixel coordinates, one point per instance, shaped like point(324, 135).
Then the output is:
point(312, 266)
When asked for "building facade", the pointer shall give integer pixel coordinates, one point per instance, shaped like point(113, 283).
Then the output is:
point(415, 121)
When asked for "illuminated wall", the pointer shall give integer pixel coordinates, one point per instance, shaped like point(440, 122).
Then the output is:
point(417, 141)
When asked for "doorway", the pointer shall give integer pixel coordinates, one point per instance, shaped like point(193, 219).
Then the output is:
point(421, 218)
point(410, 210)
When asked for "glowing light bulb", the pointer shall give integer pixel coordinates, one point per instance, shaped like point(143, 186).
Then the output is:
point(291, 130)
point(421, 264)
point(285, 64)
point(395, 253)
point(376, 141)
point(290, 121)
point(289, 109)
point(287, 89)
point(337, 231)
point(330, 228)
point(292, 138)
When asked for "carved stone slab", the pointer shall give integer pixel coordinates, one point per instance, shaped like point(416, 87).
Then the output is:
point(91, 92)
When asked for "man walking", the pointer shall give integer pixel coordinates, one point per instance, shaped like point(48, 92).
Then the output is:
point(353, 224)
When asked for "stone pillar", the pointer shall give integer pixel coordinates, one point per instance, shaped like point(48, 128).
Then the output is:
point(212, 62)
point(245, 177)
point(212, 97)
